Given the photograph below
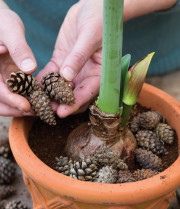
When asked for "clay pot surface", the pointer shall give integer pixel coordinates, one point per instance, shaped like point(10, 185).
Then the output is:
point(50, 189)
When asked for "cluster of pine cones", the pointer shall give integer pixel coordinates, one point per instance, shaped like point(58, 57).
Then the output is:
point(104, 160)
point(53, 87)
point(151, 135)
point(7, 175)
point(105, 166)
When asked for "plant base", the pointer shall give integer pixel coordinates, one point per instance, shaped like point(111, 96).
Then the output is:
point(103, 129)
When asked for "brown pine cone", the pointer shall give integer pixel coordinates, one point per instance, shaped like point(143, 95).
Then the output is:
point(21, 83)
point(148, 140)
point(41, 104)
point(57, 88)
point(134, 124)
point(84, 169)
point(144, 174)
point(165, 133)
point(63, 165)
point(7, 171)
point(125, 176)
point(107, 175)
point(4, 148)
point(6, 191)
point(105, 156)
point(149, 120)
point(148, 160)
point(15, 204)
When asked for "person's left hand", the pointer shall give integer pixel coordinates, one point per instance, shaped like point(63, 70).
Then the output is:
point(77, 54)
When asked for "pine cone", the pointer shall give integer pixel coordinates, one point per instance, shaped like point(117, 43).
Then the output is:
point(41, 104)
point(4, 149)
point(15, 204)
point(107, 175)
point(105, 156)
point(125, 176)
point(148, 140)
point(148, 160)
point(134, 124)
point(144, 174)
point(149, 120)
point(57, 88)
point(165, 133)
point(84, 169)
point(63, 165)
point(7, 171)
point(6, 191)
point(22, 83)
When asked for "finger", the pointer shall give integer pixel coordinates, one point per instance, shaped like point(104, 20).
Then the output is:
point(3, 48)
point(13, 100)
point(8, 111)
point(84, 93)
point(87, 43)
point(14, 40)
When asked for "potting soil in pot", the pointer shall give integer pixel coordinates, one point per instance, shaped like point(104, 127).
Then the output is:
point(48, 142)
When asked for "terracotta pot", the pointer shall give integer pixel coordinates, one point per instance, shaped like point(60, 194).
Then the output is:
point(50, 189)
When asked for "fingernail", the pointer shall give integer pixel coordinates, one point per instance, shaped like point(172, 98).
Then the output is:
point(28, 64)
point(27, 114)
point(68, 74)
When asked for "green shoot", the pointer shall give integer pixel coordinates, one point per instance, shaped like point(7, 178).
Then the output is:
point(108, 101)
point(133, 84)
point(125, 66)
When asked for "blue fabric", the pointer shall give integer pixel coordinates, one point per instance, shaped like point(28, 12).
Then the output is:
point(158, 32)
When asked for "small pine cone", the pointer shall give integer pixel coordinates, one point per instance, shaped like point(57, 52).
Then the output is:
point(148, 140)
point(57, 88)
point(15, 204)
point(144, 174)
point(149, 120)
point(148, 160)
point(41, 104)
point(165, 133)
point(107, 174)
point(6, 191)
point(7, 171)
point(4, 150)
point(125, 176)
point(84, 170)
point(21, 83)
point(134, 124)
point(63, 165)
point(105, 156)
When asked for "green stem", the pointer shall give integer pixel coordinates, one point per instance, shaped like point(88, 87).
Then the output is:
point(109, 95)
point(125, 114)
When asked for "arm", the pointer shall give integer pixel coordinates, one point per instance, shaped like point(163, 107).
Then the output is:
point(135, 8)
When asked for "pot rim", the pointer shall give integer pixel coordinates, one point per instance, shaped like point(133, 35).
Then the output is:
point(133, 192)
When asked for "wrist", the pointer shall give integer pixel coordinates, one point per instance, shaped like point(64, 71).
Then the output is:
point(135, 8)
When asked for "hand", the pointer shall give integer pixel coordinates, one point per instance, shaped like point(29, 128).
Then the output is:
point(77, 54)
point(15, 55)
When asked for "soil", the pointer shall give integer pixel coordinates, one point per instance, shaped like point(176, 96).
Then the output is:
point(48, 142)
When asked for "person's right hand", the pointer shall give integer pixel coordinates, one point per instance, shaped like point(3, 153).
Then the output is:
point(15, 55)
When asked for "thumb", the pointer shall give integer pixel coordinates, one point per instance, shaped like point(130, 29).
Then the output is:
point(85, 46)
point(19, 50)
